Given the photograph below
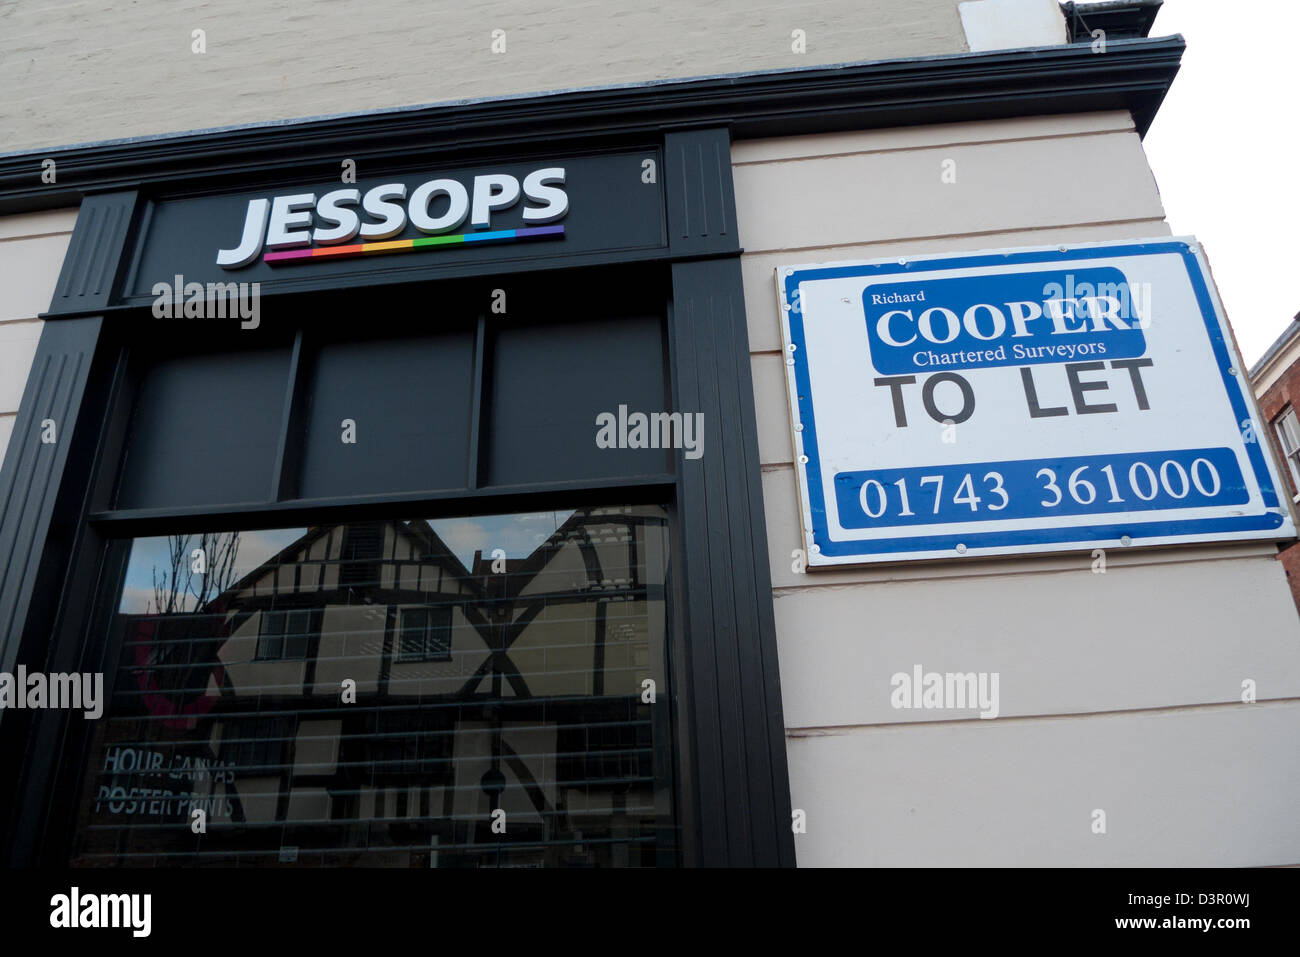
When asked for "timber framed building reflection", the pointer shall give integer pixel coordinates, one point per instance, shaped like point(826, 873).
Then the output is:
point(458, 692)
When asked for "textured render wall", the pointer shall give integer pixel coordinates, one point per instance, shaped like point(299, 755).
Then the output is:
point(82, 70)
point(1119, 691)
point(31, 253)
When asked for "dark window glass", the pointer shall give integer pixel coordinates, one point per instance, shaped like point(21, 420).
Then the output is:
point(409, 402)
point(489, 671)
point(437, 640)
point(413, 628)
point(589, 368)
point(297, 629)
point(424, 634)
point(284, 634)
point(204, 430)
point(363, 545)
point(271, 638)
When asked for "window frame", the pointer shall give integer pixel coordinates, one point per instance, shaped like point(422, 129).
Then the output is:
point(425, 654)
point(284, 615)
point(1290, 455)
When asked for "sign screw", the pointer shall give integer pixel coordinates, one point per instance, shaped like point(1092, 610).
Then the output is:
point(1125, 540)
point(961, 549)
point(798, 426)
point(815, 548)
point(785, 306)
point(791, 347)
point(1232, 372)
point(803, 460)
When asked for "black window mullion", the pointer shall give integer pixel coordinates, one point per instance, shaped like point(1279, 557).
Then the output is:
point(474, 474)
point(284, 477)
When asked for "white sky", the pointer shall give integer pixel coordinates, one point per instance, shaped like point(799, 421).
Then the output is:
point(1225, 151)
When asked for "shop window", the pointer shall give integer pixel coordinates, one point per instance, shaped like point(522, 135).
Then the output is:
point(257, 745)
point(204, 430)
point(464, 402)
point(459, 685)
point(1288, 434)
point(592, 367)
point(408, 401)
point(424, 634)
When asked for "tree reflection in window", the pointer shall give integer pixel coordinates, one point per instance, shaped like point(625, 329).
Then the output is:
point(383, 693)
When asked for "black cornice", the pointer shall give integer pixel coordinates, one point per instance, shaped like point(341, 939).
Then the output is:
point(1132, 74)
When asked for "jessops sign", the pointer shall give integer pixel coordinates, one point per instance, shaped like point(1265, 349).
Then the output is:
point(1021, 401)
point(296, 227)
point(414, 222)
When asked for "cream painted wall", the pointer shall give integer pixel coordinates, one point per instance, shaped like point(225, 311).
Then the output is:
point(1181, 788)
point(1119, 691)
point(76, 72)
point(32, 246)
point(1005, 24)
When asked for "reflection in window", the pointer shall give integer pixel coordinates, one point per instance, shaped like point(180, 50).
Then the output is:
point(450, 693)
point(284, 634)
point(424, 634)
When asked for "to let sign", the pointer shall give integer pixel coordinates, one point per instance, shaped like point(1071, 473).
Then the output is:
point(1020, 401)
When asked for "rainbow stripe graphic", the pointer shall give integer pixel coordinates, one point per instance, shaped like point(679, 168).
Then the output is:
point(410, 245)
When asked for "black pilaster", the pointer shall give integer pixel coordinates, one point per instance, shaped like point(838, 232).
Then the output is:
point(36, 473)
point(739, 782)
point(43, 496)
point(94, 262)
point(701, 196)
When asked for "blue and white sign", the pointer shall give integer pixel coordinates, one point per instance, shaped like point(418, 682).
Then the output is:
point(1020, 401)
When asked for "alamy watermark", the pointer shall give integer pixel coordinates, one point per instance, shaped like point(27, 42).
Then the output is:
point(216, 300)
point(1120, 303)
point(653, 430)
point(75, 692)
point(75, 909)
point(946, 691)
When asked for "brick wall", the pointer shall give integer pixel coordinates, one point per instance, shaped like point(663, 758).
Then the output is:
point(1283, 392)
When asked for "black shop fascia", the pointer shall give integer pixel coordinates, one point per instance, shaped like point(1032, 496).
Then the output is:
point(335, 524)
